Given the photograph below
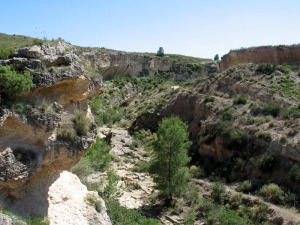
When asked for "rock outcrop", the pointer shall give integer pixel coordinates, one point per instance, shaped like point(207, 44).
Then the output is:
point(70, 203)
point(40, 141)
point(112, 64)
point(283, 55)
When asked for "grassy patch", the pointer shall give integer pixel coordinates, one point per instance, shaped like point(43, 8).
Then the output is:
point(9, 43)
point(97, 158)
point(122, 216)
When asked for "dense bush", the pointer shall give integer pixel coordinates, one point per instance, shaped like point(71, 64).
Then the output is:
point(266, 68)
point(218, 193)
point(240, 100)
point(295, 172)
point(273, 193)
point(13, 83)
point(269, 109)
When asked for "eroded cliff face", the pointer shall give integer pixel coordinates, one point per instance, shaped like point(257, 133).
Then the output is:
point(283, 55)
point(45, 137)
point(225, 133)
point(112, 64)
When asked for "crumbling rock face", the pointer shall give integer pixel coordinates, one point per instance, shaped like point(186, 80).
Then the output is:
point(112, 64)
point(193, 109)
point(39, 143)
point(283, 55)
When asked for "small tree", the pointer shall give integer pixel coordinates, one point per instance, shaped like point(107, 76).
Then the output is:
point(169, 163)
point(216, 58)
point(160, 52)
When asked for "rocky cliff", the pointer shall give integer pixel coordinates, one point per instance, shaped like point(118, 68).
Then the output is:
point(233, 139)
point(283, 55)
point(47, 130)
point(112, 64)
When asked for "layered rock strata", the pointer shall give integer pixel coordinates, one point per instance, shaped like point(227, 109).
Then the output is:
point(283, 55)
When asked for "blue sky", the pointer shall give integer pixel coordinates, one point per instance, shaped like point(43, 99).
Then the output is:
point(199, 28)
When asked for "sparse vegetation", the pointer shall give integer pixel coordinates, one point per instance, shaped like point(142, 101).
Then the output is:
point(93, 201)
point(82, 123)
point(9, 43)
point(245, 186)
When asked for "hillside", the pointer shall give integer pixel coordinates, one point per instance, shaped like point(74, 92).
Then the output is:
point(243, 122)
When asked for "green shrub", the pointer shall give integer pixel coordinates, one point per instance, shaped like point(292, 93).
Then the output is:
point(197, 172)
point(269, 109)
point(218, 193)
point(109, 117)
point(273, 193)
point(259, 214)
point(96, 159)
point(267, 162)
point(245, 186)
point(192, 195)
point(120, 215)
point(206, 205)
point(295, 172)
point(110, 190)
point(82, 123)
point(240, 100)
point(235, 200)
point(226, 217)
point(99, 156)
point(284, 69)
point(12, 83)
point(266, 68)
point(38, 221)
point(189, 217)
point(236, 138)
point(293, 112)
point(265, 135)
point(83, 168)
point(141, 167)
point(209, 98)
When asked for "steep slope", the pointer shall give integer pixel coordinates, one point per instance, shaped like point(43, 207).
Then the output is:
point(45, 131)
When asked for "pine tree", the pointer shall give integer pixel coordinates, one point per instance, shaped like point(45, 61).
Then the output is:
point(169, 163)
point(160, 52)
point(216, 58)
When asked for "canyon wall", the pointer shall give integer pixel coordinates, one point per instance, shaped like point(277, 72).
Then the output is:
point(45, 132)
point(282, 55)
point(111, 64)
